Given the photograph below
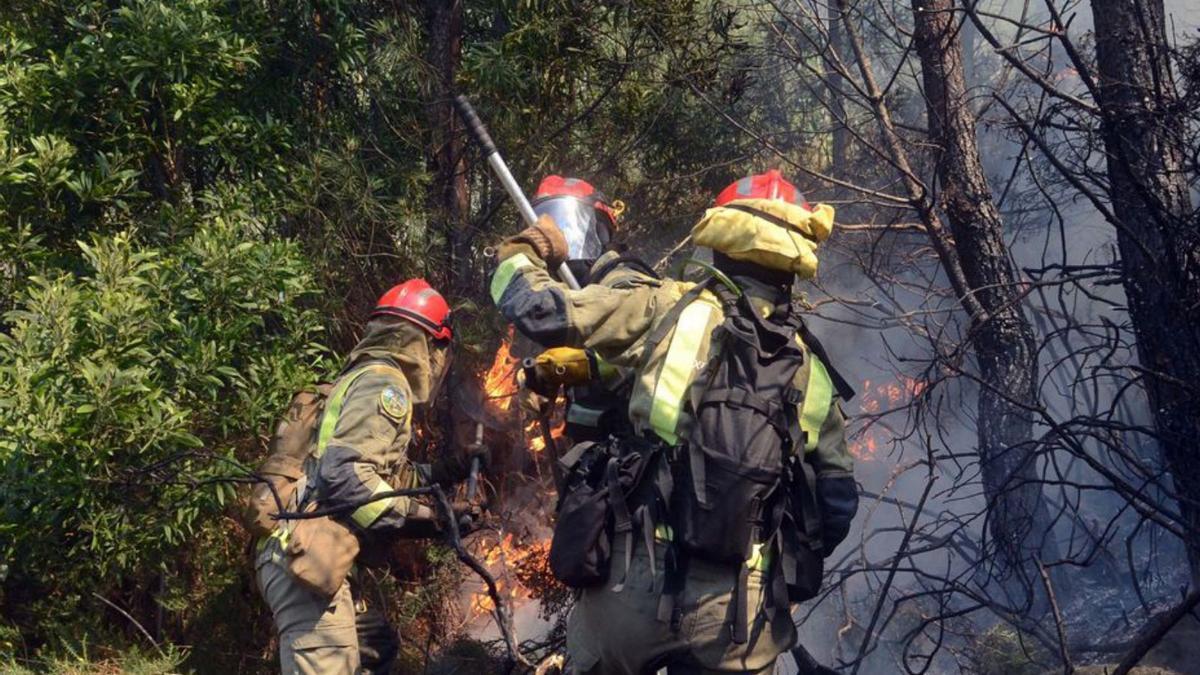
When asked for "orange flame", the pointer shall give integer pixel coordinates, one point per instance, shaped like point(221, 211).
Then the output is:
point(506, 553)
point(537, 441)
point(500, 380)
point(880, 398)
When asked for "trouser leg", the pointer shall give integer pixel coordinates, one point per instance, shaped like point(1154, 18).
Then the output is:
point(378, 643)
point(610, 633)
point(316, 636)
point(709, 594)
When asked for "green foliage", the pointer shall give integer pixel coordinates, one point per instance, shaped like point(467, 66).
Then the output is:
point(79, 662)
point(114, 107)
point(182, 182)
point(126, 391)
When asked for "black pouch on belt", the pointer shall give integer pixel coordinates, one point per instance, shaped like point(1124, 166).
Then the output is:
point(597, 483)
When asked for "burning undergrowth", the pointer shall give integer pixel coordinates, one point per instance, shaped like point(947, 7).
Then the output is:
point(876, 401)
point(522, 432)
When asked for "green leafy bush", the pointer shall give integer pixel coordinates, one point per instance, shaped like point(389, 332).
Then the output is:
point(125, 392)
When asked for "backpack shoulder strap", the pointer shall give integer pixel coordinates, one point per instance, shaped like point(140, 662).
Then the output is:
point(659, 333)
point(844, 390)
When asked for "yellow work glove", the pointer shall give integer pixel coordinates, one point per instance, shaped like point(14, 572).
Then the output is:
point(543, 238)
point(560, 366)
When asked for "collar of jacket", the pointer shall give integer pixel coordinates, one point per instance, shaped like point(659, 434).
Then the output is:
point(404, 345)
point(767, 299)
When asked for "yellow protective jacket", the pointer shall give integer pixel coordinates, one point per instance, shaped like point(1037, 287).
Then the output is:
point(615, 317)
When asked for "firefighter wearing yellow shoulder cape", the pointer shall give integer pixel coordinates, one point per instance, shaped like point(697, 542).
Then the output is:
point(630, 616)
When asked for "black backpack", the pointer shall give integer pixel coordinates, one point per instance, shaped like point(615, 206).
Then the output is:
point(744, 424)
point(739, 491)
point(732, 492)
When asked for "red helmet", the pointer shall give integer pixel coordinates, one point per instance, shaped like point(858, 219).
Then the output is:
point(417, 301)
point(586, 217)
point(769, 185)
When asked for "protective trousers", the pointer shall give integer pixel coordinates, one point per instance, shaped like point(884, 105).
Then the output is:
point(619, 633)
point(316, 636)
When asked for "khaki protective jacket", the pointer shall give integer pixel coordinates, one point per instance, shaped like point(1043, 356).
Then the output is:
point(615, 317)
point(362, 443)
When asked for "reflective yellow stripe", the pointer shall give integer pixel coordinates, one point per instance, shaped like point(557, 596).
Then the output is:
point(333, 406)
point(505, 272)
point(333, 409)
point(368, 513)
point(281, 533)
point(818, 396)
point(608, 372)
point(759, 560)
point(663, 532)
point(677, 370)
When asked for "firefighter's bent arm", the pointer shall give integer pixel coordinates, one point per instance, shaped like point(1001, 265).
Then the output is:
point(367, 453)
point(604, 318)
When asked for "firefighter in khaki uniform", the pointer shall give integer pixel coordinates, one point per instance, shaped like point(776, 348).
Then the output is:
point(597, 393)
point(360, 450)
point(653, 610)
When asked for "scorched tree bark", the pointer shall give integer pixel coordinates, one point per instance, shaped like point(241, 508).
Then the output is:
point(1157, 230)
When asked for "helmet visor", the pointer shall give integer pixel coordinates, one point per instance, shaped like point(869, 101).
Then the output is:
point(586, 236)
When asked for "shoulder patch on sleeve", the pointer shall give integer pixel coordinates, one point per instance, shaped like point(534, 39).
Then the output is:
point(393, 402)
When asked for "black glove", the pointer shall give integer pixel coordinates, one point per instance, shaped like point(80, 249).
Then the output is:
point(838, 497)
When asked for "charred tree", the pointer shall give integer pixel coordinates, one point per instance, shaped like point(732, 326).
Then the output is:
point(974, 257)
point(1158, 233)
point(1002, 337)
point(837, 98)
point(449, 196)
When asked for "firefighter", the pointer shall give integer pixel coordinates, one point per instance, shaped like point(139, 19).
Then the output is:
point(667, 603)
point(359, 448)
point(597, 392)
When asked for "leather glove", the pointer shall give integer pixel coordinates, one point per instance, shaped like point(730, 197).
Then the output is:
point(560, 366)
point(546, 240)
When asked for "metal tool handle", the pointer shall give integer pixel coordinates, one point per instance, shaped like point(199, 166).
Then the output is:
point(473, 479)
point(480, 133)
point(474, 125)
point(473, 476)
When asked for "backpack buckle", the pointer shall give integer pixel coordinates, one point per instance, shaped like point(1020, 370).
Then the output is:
point(793, 396)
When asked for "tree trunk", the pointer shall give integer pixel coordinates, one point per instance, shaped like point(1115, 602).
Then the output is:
point(1159, 235)
point(840, 152)
point(449, 197)
point(1003, 338)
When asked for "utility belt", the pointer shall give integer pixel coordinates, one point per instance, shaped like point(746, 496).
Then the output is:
point(628, 490)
